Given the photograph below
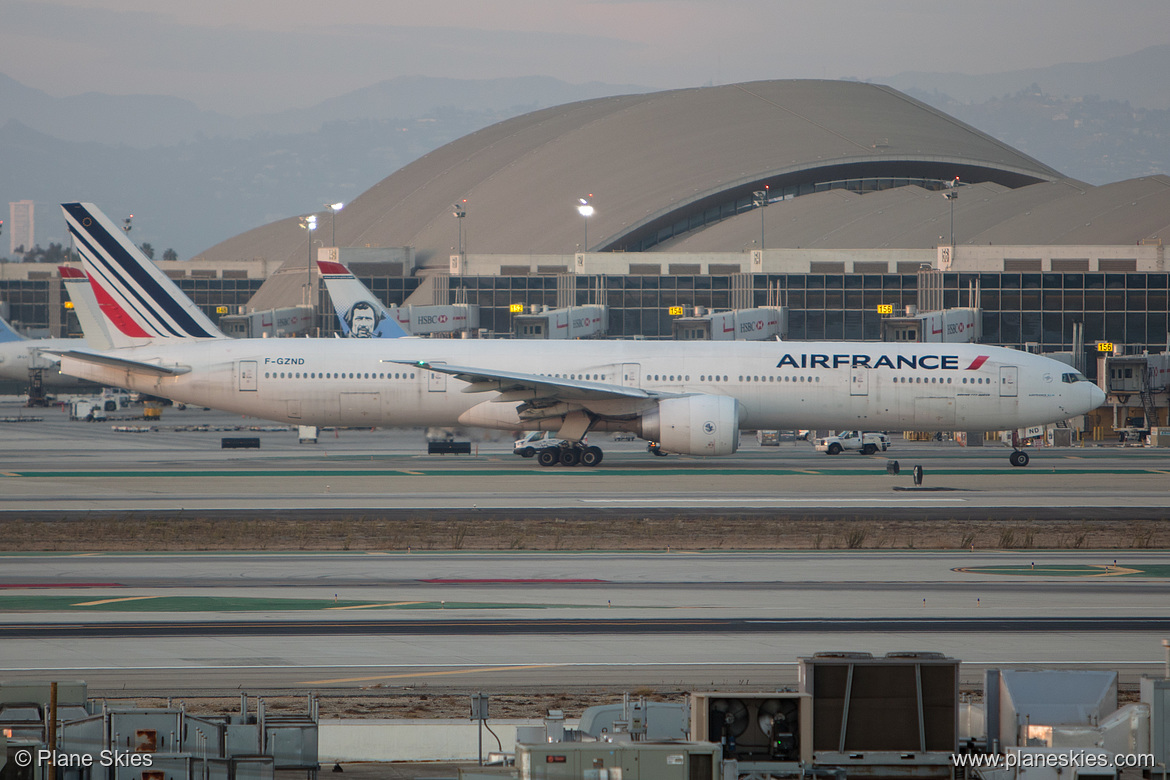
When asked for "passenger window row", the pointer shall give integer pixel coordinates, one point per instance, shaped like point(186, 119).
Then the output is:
point(334, 375)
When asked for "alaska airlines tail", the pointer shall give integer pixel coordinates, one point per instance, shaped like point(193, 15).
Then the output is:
point(85, 306)
point(138, 300)
point(361, 314)
point(7, 334)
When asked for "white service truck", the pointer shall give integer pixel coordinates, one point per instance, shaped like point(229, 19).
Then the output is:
point(866, 443)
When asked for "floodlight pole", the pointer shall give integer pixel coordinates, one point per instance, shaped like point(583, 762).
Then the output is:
point(459, 211)
point(760, 198)
point(585, 209)
point(309, 223)
point(333, 209)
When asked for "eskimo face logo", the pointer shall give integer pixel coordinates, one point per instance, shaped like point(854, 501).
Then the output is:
point(709, 427)
point(363, 320)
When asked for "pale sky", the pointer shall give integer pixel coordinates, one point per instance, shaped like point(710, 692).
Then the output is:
point(250, 57)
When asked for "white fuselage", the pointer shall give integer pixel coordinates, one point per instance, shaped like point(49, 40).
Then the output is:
point(18, 358)
point(870, 385)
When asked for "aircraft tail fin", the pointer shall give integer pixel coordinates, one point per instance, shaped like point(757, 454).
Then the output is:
point(138, 300)
point(359, 311)
point(85, 306)
point(8, 334)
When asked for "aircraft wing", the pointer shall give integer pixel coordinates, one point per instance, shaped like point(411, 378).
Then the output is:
point(515, 386)
point(137, 366)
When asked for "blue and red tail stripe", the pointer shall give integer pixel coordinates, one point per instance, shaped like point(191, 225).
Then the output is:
point(125, 278)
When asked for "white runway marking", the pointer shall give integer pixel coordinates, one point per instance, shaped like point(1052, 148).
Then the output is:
point(770, 499)
point(554, 664)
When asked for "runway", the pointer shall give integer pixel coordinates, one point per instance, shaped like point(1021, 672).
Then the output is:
point(55, 468)
point(397, 617)
point(587, 627)
point(558, 621)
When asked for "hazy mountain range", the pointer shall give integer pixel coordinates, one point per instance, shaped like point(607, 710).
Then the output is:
point(193, 178)
point(1136, 79)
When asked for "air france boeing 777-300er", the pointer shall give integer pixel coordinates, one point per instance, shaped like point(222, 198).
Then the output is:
point(690, 397)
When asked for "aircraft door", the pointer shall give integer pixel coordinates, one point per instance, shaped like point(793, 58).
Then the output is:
point(247, 371)
point(631, 374)
point(859, 381)
point(1007, 381)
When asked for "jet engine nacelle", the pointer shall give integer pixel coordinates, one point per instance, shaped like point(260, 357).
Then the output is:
point(694, 425)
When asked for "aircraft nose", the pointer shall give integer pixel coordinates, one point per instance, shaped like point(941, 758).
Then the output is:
point(1096, 397)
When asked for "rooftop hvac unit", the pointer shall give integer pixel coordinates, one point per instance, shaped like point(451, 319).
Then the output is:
point(882, 717)
point(755, 727)
point(618, 761)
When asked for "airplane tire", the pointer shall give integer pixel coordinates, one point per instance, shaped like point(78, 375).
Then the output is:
point(549, 456)
point(834, 449)
point(571, 456)
point(1018, 458)
point(591, 456)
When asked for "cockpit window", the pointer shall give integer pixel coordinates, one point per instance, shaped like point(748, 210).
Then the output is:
point(1074, 376)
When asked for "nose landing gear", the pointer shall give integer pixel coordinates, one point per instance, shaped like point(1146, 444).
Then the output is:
point(1018, 457)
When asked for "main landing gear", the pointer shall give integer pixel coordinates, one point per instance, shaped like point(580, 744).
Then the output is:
point(570, 454)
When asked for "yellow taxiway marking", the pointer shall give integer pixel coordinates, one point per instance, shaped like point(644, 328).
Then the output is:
point(1105, 570)
point(430, 674)
point(86, 555)
point(10, 474)
point(413, 473)
point(372, 606)
point(1113, 571)
point(114, 601)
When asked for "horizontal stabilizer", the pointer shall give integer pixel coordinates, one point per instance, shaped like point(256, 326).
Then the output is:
point(135, 366)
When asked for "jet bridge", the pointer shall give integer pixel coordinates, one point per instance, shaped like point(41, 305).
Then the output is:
point(570, 322)
point(737, 325)
point(950, 326)
point(1138, 387)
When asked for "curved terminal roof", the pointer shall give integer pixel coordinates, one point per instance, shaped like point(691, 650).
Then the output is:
point(676, 170)
point(1063, 212)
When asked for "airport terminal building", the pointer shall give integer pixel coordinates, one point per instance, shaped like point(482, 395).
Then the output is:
point(826, 198)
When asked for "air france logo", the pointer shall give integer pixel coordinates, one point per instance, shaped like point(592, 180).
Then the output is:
point(928, 362)
point(709, 427)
